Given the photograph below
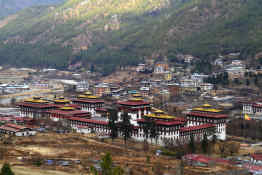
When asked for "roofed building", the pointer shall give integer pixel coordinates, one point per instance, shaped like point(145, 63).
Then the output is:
point(208, 115)
point(89, 103)
point(135, 107)
point(35, 108)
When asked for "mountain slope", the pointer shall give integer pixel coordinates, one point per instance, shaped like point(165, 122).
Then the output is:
point(124, 32)
point(12, 6)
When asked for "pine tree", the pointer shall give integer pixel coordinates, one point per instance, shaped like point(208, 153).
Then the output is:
point(205, 143)
point(6, 170)
point(126, 127)
point(192, 144)
point(107, 167)
point(247, 82)
point(112, 123)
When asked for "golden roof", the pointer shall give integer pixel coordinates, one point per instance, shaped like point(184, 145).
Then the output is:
point(155, 110)
point(88, 93)
point(206, 105)
point(92, 97)
point(67, 108)
point(62, 101)
point(161, 116)
point(39, 101)
point(29, 100)
point(136, 99)
point(137, 95)
point(82, 96)
point(206, 110)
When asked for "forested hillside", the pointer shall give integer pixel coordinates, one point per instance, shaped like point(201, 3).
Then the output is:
point(8, 7)
point(125, 32)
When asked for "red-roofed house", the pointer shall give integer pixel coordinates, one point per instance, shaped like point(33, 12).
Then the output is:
point(18, 130)
point(256, 158)
point(97, 126)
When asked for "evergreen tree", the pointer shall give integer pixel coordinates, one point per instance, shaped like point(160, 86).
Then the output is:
point(192, 144)
point(205, 143)
point(112, 123)
point(6, 170)
point(126, 127)
point(225, 78)
point(236, 81)
point(256, 81)
point(153, 131)
point(247, 82)
point(107, 167)
point(214, 138)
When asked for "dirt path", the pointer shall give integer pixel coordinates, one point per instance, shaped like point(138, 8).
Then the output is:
point(20, 170)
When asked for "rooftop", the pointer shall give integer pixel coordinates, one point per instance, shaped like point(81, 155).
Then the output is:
point(89, 120)
point(134, 102)
point(208, 115)
point(193, 128)
point(207, 110)
point(166, 123)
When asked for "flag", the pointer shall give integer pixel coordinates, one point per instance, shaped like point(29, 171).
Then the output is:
point(247, 117)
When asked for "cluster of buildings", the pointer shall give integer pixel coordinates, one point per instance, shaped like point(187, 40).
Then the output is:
point(87, 113)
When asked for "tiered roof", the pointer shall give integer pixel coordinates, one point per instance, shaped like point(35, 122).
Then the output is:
point(100, 122)
point(208, 112)
point(87, 98)
point(134, 102)
point(36, 102)
point(69, 111)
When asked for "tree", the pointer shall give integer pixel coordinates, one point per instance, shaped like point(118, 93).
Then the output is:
point(112, 123)
point(192, 144)
point(247, 82)
point(225, 78)
point(126, 127)
point(153, 131)
point(256, 81)
point(107, 167)
point(6, 170)
point(214, 139)
point(205, 143)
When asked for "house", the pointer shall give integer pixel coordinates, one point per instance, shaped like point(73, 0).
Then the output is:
point(206, 86)
point(256, 158)
point(17, 130)
point(188, 58)
point(141, 68)
point(252, 108)
point(174, 89)
point(102, 89)
point(161, 68)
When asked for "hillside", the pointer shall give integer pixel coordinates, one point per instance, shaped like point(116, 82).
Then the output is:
point(124, 32)
point(12, 6)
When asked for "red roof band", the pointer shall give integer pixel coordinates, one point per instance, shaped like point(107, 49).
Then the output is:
point(167, 123)
point(257, 156)
point(88, 101)
point(88, 120)
point(193, 128)
point(32, 105)
point(133, 103)
point(72, 113)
